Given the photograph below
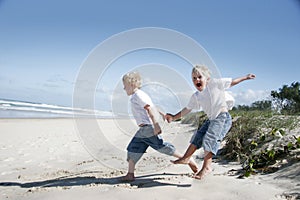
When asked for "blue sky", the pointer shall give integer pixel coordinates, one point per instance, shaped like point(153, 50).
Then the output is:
point(44, 43)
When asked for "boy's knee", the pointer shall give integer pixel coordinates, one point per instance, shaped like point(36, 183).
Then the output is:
point(135, 157)
point(197, 144)
point(168, 149)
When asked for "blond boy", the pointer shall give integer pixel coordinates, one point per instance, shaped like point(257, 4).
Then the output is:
point(210, 96)
point(144, 113)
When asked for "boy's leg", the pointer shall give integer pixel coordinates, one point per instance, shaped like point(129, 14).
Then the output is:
point(216, 131)
point(192, 164)
point(135, 151)
point(130, 175)
point(187, 155)
point(196, 143)
point(157, 143)
point(206, 167)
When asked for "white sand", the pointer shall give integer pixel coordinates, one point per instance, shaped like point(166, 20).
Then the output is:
point(46, 159)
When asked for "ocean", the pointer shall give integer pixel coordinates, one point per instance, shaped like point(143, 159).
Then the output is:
point(23, 109)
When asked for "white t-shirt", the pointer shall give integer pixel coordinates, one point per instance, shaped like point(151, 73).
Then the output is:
point(139, 100)
point(212, 98)
point(229, 100)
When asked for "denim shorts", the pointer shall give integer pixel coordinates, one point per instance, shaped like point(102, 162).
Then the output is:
point(212, 132)
point(144, 138)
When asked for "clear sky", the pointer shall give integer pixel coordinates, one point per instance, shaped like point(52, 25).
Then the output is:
point(44, 43)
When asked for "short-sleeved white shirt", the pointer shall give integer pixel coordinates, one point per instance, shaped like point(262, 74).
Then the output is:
point(212, 98)
point(229, 100)
point(139, 100)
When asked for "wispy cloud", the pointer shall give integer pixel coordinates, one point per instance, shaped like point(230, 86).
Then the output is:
point(249, 96)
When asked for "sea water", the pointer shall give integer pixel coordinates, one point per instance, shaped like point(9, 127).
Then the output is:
point(22, 109)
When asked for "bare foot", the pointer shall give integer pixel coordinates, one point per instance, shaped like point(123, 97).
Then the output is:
point(128, 178)
point(188, 161)
point(181, 161)
point(203, 172)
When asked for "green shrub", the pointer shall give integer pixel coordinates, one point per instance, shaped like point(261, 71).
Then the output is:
point(259, 140)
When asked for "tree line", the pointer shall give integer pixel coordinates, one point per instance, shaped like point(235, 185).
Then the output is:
point(285, 100)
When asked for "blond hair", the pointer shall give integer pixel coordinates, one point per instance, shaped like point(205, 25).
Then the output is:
point(203, 70)
point(133, 78)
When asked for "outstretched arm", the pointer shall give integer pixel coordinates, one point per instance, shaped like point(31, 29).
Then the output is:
point(169, 117)
point(243, 78)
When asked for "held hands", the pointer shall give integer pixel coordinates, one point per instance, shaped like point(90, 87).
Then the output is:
point(157, 129)
point(169, 117)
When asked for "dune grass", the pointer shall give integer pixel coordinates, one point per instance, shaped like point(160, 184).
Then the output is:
point(262, 141)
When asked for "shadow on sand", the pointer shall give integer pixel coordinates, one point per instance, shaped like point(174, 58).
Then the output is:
point(153, 180)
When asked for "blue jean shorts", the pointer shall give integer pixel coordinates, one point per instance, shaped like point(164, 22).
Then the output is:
point(144, 138)
point(212, 132)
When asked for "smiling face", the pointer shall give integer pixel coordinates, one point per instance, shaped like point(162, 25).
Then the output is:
point(199, 80)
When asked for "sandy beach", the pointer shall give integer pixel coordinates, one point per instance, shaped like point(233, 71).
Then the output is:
point(54, 159)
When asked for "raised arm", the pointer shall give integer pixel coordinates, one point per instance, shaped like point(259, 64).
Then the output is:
point(169, 117)
point(243, 78)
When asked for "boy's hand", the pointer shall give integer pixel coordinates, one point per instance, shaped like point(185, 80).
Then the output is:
point(169, 117)
point(250, 76)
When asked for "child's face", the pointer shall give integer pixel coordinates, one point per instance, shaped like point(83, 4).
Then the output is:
point(128, 88)
point(199, 81)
